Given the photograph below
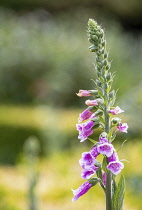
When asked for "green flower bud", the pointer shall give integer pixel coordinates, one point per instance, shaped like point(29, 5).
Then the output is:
point(93, 48)
point(112, 94)
point(105, 62)
point(116, 120)
point(98, 83)
point(99, 112)
point(108, 76)
point(103, 134)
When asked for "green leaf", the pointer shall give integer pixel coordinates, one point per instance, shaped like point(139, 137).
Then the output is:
point(93, 141)
point(100, 93)
point(118, 196)
point(110, 134)
point(104, 164)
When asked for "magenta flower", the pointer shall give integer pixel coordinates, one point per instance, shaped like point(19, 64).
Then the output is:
point(85, 130)
point(115, 167)
point(91, 102)
point(116, 110)
point(103, 140)
point(104, 178)
point(87, 160)
point(105, 149)
point(94, 152)
point(122, 127)
point(83, 93)
point(87, 173)
point(113, 157)
point(85, 115)
point(81, 190)
point(84, 135)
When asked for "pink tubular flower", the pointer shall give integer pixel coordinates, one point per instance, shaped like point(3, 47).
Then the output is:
point(81, 190)
point(91, 102)
point(87, 160)
point(87, 173)
point(122, 127)
point(85, 130)
point(105, 149)
point(115, 167)
point(85, 115)
point(94, 152)
point(83, 93)
point(116, 110)
point(113, 157)
point(103, 140)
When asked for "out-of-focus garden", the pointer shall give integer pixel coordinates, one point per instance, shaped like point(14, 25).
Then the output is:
point(44, 61)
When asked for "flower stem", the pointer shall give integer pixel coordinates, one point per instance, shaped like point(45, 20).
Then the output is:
point(109, 174)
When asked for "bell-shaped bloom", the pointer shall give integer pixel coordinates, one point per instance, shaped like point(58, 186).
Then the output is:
point(81, 190)
point(105, 149)
point(83, 93)
point(91, 102)
point(115, 167)
point(122, 127)
point(87, 160)
point(104, 178)
point(84, 135)
point(103, 140)
point(87, 173)
point(85, 130)
point(116, 110)
point(85, 115)
point(94, 152)
point(113, 157)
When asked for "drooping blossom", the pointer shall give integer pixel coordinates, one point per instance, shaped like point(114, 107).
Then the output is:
point(87, 173)
point(94, 152)
point(103, 140)
point(81, 190)
point(122, 127)
point(85, 130)
point(105, 149)
point(116, 110)
point(91, 102)
point(104, 178)
point(115, 167)
point(83, 93)
point(113, 157)
point(87, 160)
point(85, 115)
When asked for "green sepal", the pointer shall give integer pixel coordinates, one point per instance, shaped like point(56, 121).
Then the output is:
point(99, 173)
point(102, 120)
point(104, 164)
point(121, 145)
point(94, 181)
point(92, 140)
point(110, 135)
point(118, 196)
point(100, 93)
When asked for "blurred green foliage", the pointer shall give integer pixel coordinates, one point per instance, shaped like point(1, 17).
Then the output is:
point(46, 60)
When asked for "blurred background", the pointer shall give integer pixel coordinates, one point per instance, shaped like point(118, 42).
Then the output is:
point(44, 61)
